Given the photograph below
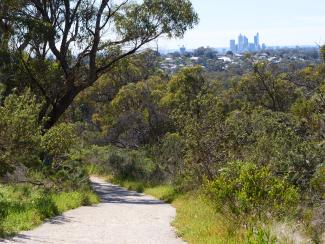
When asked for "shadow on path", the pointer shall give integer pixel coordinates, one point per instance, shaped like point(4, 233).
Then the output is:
point(22, 238)
point(109, 193)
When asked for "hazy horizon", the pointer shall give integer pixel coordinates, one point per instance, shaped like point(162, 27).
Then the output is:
point(282, 23)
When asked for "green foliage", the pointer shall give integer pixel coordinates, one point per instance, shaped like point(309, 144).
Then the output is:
point(198, 114)
point(163, 192)
point(198, 222)
point(133, 24)
point(133, 117)
point(24, 206)
point(132, 164)
point(260, 236)
point(70, 175)
point(271, 117)
point(131, 185)
point(173, 17)
point(20, 132)
point(250, 191)
point(93, 157)
point(274, 139)
point(322, 52)
point(318, 181)
point(182, 92)
point(58, 140)
point(21, 139)
point(169, 154)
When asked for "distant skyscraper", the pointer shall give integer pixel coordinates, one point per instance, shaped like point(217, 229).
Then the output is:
point(245, 44)
point(182, 50)
point(233, 46)
point(240, 43)
point(257, 41)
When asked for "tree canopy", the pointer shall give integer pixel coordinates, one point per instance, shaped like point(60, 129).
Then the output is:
point(63, 46)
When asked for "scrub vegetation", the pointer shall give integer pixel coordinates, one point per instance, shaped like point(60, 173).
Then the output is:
point(239, 152)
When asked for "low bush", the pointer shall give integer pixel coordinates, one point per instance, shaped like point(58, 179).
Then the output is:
point(245, 190)
point(260, 236)
point(70, 175)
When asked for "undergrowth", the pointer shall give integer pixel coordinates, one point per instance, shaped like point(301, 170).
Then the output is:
point(25, 206)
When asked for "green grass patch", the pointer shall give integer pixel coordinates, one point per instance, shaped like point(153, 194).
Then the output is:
point(198, 222)
point(22, 207)
point(163, 192)
point(129, 184)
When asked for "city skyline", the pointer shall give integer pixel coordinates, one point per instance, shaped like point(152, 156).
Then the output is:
point(283, 23)
point(243, 44)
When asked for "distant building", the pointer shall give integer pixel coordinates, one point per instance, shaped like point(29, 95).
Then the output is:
point(257, 42)
point(252, 47)
point(233, 46)
point(240, 43)
point(257, 39)
point(182, 50)
point(246, 44)
point(263, 46)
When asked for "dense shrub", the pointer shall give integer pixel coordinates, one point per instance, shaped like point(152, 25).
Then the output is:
point(169, 155)
point(318, 181)
point(91, 154)
point(58, 140)
point(274, 139)
point(20, 132)
point(247, 190)
point(94, 157)
point(21, 139)
point(70, 175)
point(131, 164)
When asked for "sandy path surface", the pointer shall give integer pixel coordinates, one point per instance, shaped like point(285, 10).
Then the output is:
point(121, 217)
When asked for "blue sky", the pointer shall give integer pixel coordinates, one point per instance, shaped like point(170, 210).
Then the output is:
point(279, 22)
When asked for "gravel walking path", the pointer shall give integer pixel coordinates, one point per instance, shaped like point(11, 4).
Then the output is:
point(122, 217)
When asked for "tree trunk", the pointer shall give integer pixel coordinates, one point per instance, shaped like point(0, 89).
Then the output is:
point(60, 107)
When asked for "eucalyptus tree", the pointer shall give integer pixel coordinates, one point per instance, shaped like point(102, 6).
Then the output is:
point(69, 44)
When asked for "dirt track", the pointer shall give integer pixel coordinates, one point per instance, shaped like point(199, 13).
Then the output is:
point(122, 217)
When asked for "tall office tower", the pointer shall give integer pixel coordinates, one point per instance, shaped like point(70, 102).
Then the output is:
point(233, 46)
point(245, 43)
point(257, 41)
point(240, 43)
point(182, 50)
